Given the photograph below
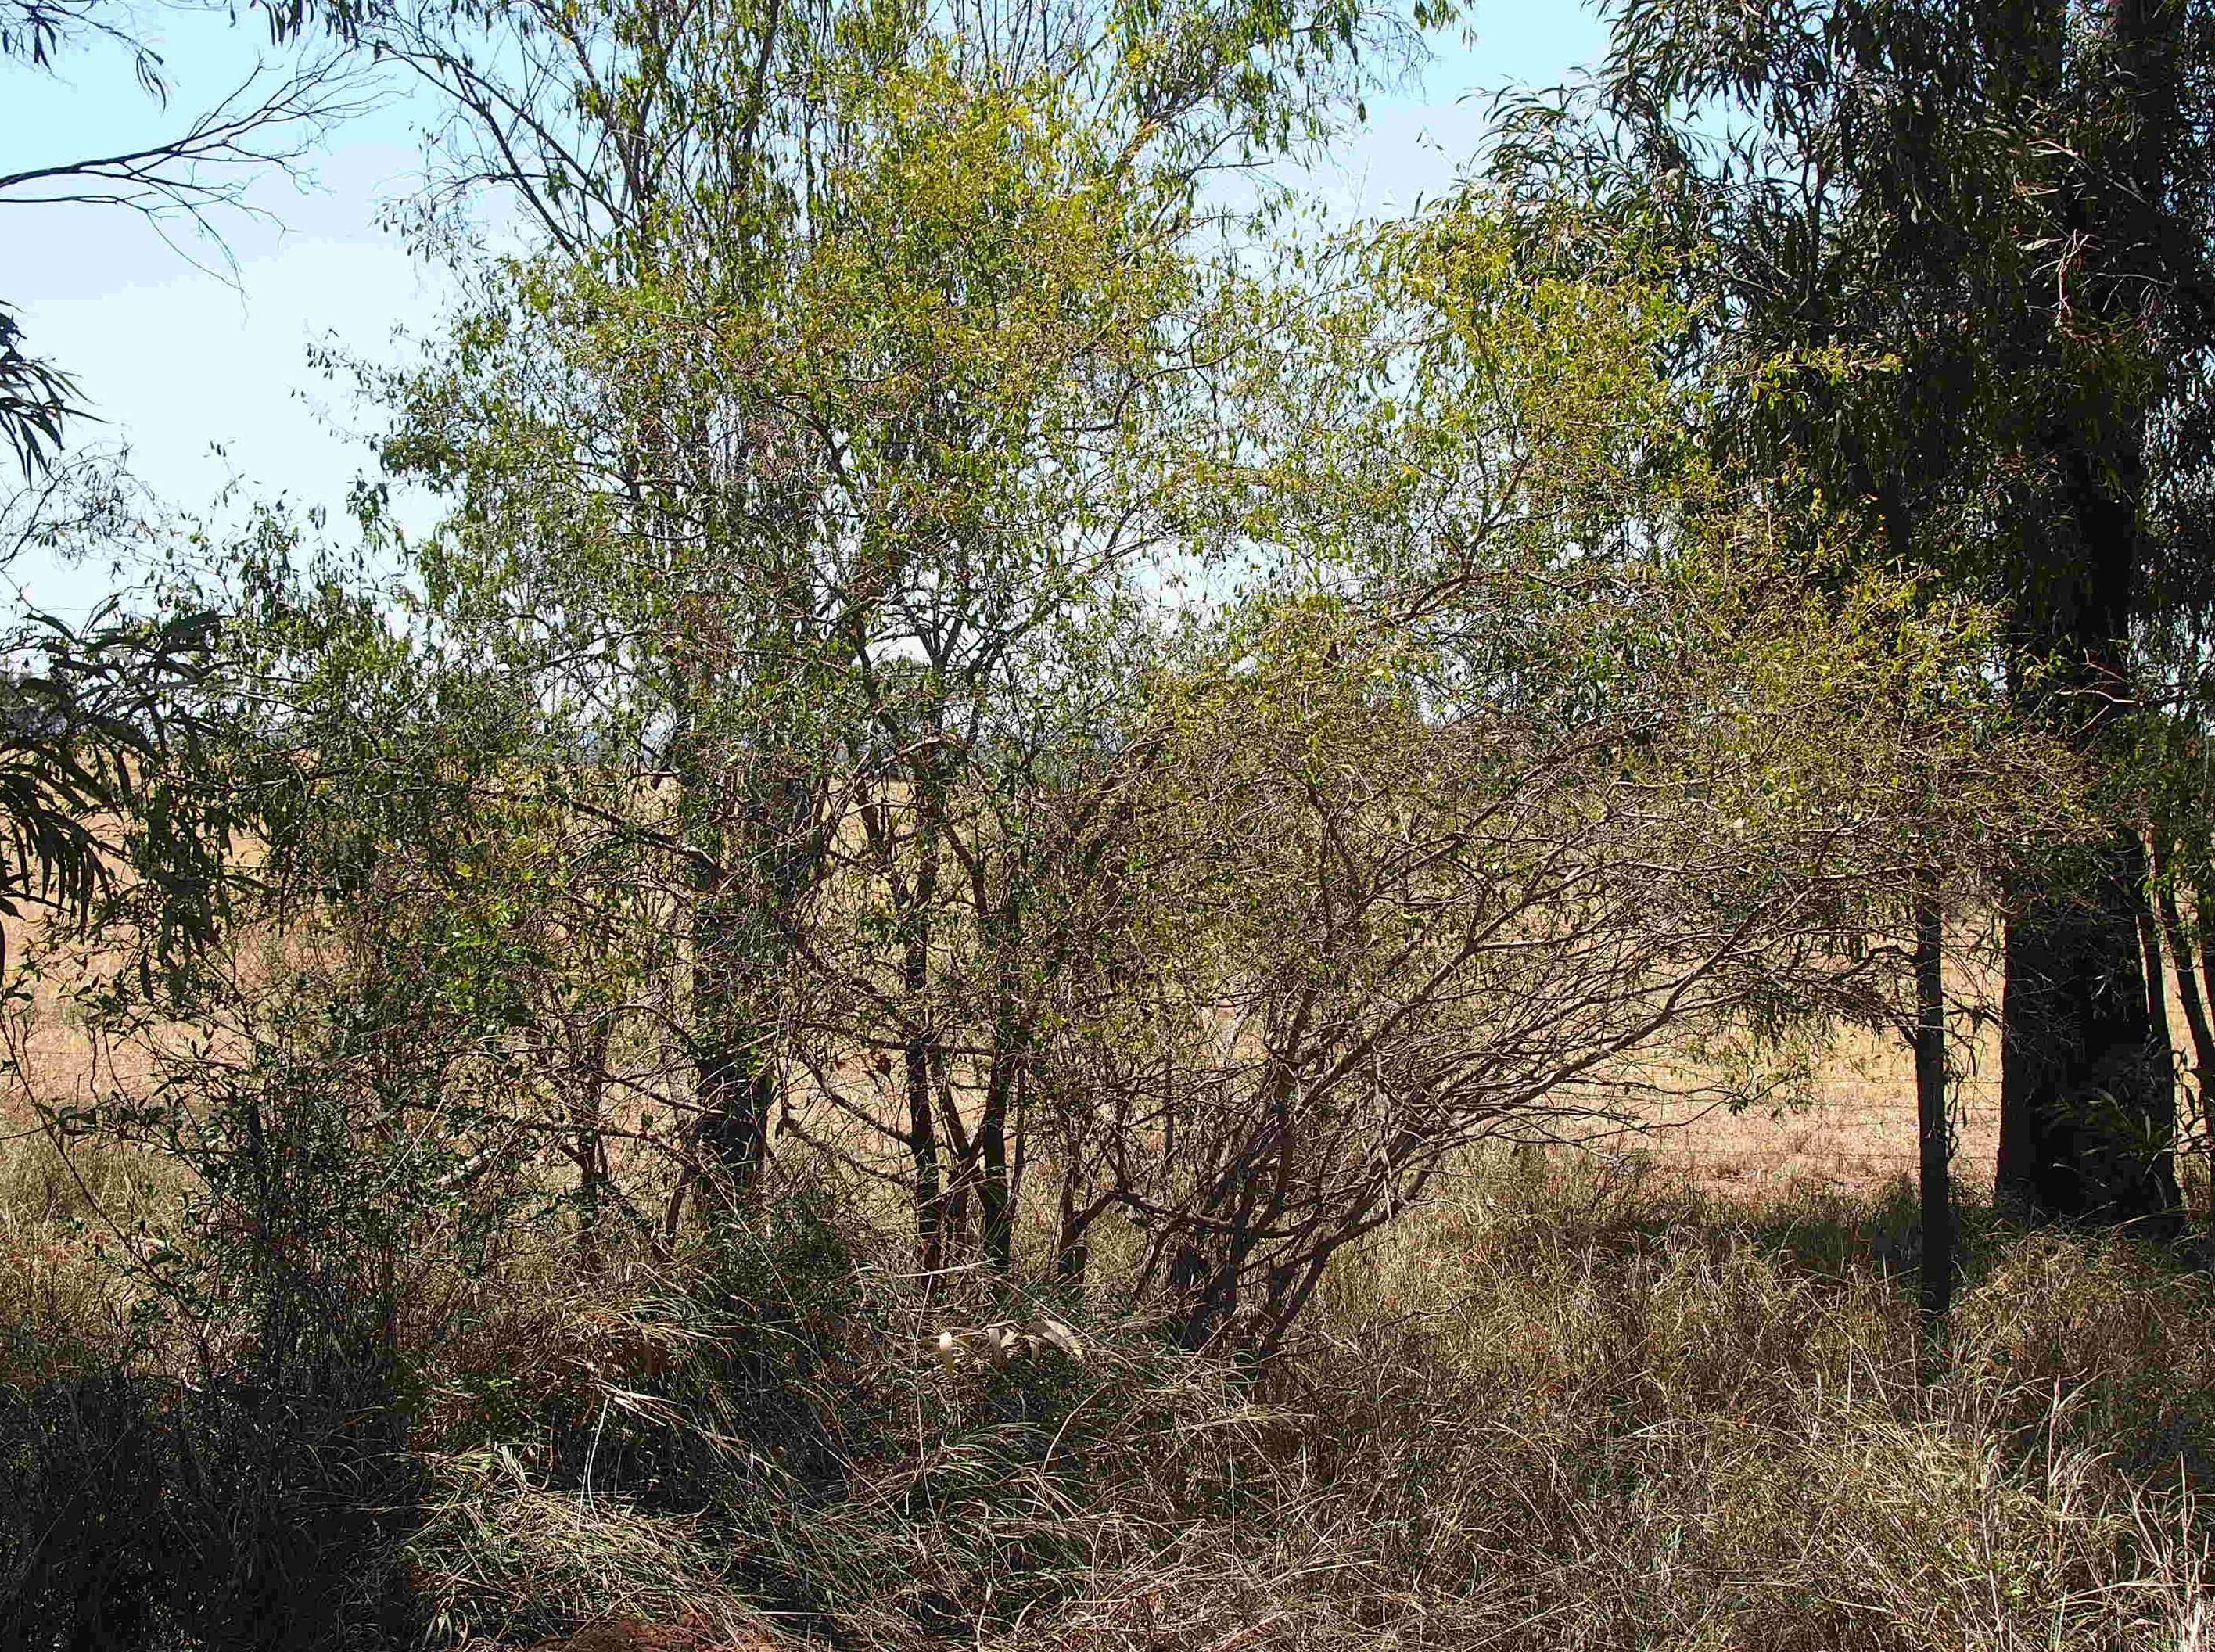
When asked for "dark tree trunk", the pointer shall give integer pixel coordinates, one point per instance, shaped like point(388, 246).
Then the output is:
point(995, 1201)
point(736, 1097)
point(2157, 986)
point(997, 1188)
point(733, 1088)
point(2087, 1106)
point(1933, 1132)
point(751, 865)
point(590, 1152)
point(920, 1048)
point(2087, 1096)
point(922, 1120)
point(1071, 1254)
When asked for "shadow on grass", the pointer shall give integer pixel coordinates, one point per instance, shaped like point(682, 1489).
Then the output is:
point(134, 1514)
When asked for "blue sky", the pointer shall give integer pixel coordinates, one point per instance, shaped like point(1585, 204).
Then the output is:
point(207, 377)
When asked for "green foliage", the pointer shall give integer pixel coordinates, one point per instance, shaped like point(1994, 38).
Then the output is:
point(35, 401)
point(104, 767)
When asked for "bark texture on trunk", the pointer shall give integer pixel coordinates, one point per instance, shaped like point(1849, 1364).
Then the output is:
point(2088, 1107)
point(2088, 1100)
point(1934, 1133)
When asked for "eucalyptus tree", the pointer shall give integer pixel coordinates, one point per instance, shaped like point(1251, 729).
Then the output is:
point(102, 728)
point(834, 396)
point(1951, 268)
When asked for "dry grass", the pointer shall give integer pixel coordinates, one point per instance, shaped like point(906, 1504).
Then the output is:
point(1855, 1133)
point(1571, 1404)
point(1568, 1405)
point(1563, 1410)
point(505, 1562)
point(1676, 1399)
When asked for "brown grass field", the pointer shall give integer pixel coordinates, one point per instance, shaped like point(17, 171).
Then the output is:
point(1856, 1134)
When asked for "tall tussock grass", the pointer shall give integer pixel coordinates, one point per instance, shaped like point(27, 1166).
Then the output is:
point(1563, 1409)
point(1563, 1406)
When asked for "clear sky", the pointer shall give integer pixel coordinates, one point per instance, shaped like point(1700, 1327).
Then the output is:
point(207, 377)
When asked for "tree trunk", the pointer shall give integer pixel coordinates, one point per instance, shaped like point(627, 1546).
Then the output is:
point(2087, 1096)
point(2088, 1104)
point(1934, 1136)
point(754, 853)
point(2156, 989)
point(919, 1047)
point(733, 1088)
point(995, 1201)
point(2187, 983)
point(922, 1123)
point(1070, 1252)
point(590, 1152)
point(2190, 992)
point(2203, 902)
